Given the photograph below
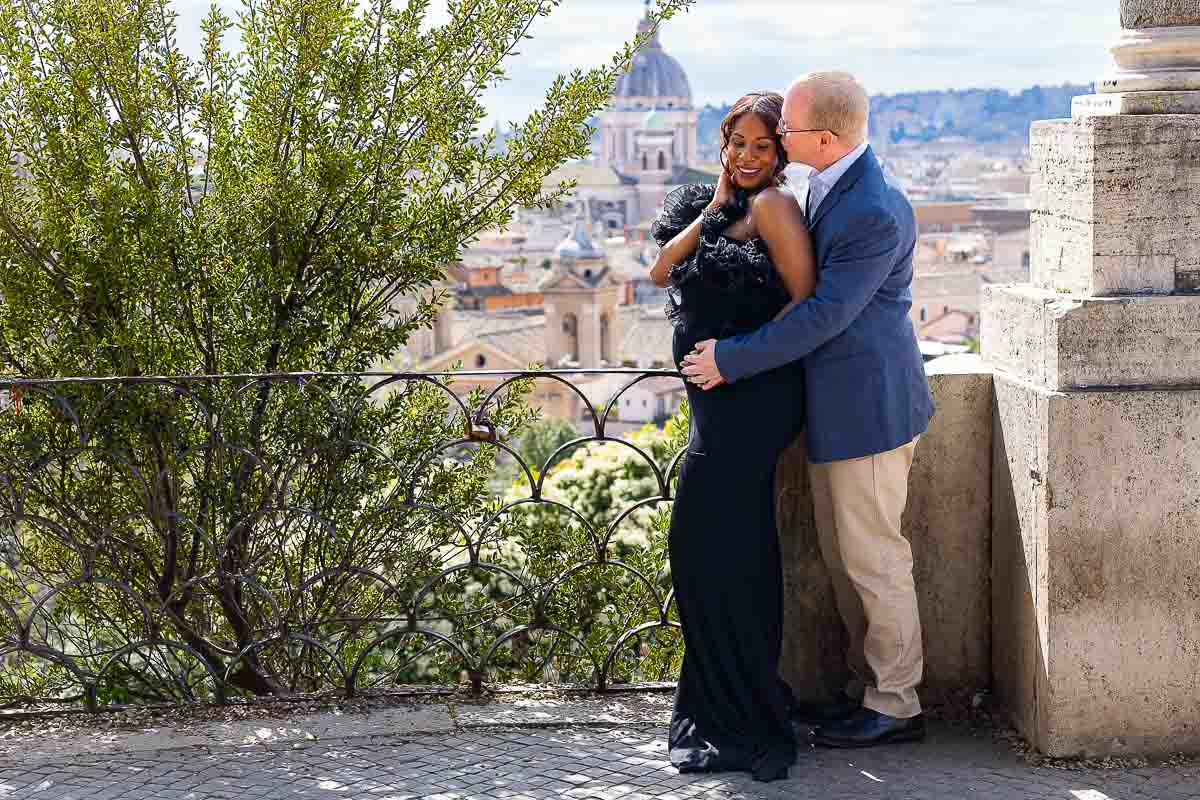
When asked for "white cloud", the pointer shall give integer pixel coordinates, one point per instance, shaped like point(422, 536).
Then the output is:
point(732, 46)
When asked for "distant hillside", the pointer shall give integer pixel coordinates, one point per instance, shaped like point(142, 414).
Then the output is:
point(981, 115)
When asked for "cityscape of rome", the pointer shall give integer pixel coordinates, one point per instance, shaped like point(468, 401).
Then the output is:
point(569, 287)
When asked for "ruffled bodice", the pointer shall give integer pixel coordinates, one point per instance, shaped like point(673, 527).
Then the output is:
point(727, 286)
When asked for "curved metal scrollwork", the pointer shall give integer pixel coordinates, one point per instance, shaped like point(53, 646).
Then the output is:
point(208, 538)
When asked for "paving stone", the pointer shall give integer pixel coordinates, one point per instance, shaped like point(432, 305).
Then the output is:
point(621, 763)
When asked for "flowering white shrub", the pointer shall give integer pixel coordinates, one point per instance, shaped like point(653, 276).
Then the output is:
point(600, 568)
point(589, 557)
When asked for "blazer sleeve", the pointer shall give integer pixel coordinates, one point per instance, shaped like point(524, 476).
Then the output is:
point(854, 271)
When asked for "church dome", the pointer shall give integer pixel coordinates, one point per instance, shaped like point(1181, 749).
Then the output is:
point(578, 245)
point(654, 74)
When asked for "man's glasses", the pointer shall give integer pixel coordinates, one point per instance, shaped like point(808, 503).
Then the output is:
point(783, 130)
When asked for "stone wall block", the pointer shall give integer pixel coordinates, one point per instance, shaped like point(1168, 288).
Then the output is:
point(1123, 511)
point(1019, 554)
point(1061, 193)
point(1066, 342)
point(1013, 331)
point(1116, 205)
point(1096, 635)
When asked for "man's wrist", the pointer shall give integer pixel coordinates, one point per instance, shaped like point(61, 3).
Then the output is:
point(726, 374)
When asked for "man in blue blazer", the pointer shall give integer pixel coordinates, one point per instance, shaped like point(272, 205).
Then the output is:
point(868, 401)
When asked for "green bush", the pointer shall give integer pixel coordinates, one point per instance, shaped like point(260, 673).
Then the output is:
point(261, 210)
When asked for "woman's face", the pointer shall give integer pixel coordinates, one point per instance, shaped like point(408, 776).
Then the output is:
point(750, 155)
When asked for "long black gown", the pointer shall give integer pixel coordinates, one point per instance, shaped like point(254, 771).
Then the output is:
point(731, 708)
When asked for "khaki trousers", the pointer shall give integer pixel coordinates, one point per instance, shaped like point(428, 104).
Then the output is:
point(858, 506)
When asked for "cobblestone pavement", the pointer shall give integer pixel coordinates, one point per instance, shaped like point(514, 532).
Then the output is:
point(615, 762)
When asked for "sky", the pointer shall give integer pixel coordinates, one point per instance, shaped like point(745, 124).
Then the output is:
point(730, 47)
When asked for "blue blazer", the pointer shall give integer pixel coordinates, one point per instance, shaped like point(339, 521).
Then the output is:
point(866, 388)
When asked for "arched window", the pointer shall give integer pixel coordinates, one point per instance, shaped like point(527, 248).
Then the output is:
point(662, 160)
point(606, 339)
point(922, 314)
point(645, 162)
point(570, 329)
point(480, 361)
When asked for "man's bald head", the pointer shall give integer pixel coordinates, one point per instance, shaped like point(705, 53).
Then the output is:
point(833, 101)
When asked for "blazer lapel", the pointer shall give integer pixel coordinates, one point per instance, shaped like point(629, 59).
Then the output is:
point(844, 184)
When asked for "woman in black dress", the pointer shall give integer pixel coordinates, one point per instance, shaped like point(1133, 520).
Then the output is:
point(735, 257)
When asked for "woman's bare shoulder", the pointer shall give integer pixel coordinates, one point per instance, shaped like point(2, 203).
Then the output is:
point(776, 197)
point(776, 204)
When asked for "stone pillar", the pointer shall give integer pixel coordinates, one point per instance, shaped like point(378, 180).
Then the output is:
point(556, 340)
point(589, 335)
point(1096, 518)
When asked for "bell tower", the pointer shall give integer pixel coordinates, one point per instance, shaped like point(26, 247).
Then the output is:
point(581, 300)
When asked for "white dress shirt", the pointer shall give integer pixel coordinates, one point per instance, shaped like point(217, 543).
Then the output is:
point(820, 184)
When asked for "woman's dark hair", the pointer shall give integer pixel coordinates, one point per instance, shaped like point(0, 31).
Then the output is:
point(768, 107)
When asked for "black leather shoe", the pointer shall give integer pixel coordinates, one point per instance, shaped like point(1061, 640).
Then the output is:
point(843, 707)
point(868, 728)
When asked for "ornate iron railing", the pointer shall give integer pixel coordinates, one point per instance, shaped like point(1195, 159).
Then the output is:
point(208, 539)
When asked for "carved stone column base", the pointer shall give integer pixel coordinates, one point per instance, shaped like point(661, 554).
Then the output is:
point(1135, 104)
point(1155, 59)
